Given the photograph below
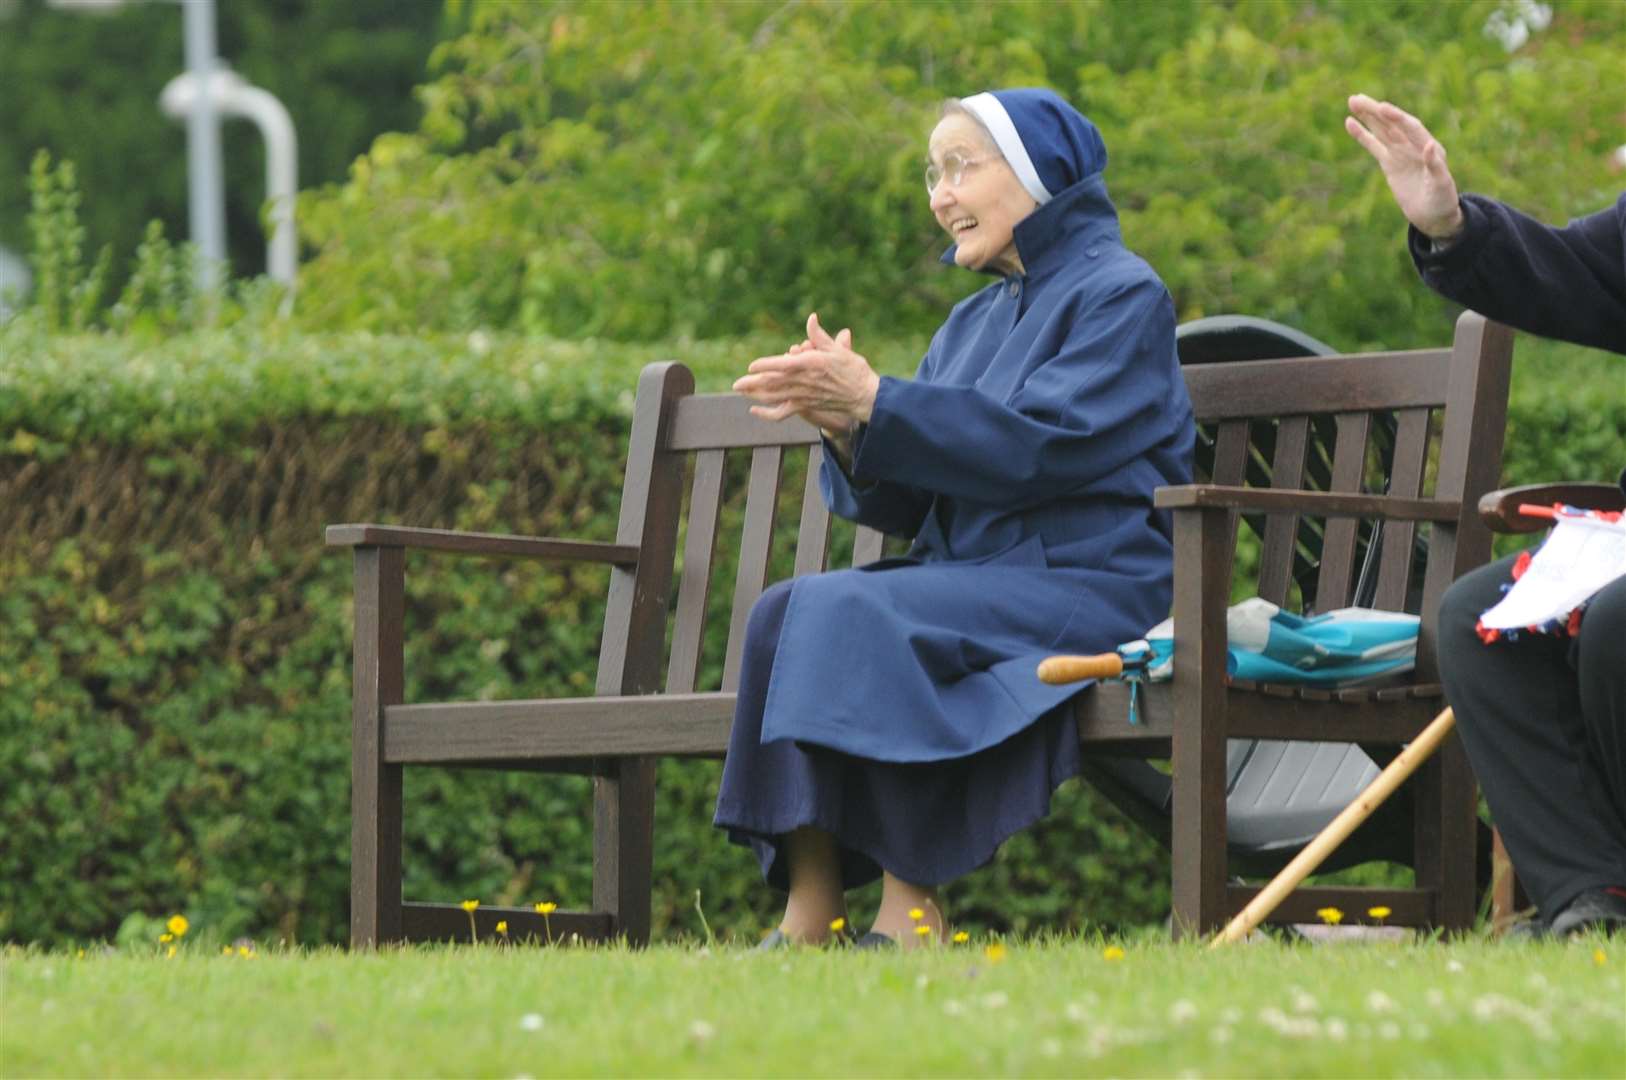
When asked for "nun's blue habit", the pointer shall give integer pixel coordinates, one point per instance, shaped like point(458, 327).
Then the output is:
point(897, 706)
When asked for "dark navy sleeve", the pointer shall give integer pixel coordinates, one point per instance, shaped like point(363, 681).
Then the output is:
point(1567, 283)
point(1104, 399)
point(893, 508)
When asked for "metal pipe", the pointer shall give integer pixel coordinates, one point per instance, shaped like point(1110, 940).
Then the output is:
point(235, 97)
point(206, 189)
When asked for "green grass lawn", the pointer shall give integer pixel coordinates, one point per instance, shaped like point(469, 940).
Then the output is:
point(1064, 1008)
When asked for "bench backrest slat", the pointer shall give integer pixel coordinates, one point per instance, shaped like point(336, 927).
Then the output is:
point(1338, 540)
point(813, 534)
point(1307, 385)
point(1281, 530)
point(694, 588)
point(1405, 481)
point(867, 545)
point(756, 542)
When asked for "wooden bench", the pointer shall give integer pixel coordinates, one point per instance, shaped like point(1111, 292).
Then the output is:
point(639, 712)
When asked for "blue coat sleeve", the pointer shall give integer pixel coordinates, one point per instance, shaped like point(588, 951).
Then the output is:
point(897, 509)
point(1567, 283)
point(1105, 398)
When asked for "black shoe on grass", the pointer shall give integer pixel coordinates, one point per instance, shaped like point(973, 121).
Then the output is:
point(1594, 909)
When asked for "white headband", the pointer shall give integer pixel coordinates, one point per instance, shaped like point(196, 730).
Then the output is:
point(986, 107)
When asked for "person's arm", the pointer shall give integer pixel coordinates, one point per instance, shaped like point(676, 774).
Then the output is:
point(892, 508)
point(1567, 283)
point(1100, 403)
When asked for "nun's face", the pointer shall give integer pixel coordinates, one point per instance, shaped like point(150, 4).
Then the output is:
point(981, 210)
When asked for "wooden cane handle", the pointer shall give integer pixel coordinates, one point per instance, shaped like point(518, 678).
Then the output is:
point(1056, 670)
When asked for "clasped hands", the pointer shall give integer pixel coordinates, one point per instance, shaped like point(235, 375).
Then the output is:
point(821, 380)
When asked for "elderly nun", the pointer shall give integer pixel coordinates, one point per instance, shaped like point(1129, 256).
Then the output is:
point(889, 719)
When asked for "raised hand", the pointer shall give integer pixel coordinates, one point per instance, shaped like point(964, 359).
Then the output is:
point(822, 380)
point(1413, 162)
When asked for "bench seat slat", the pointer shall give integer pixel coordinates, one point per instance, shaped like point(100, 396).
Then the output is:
point(1102, 713)
point(480, 731)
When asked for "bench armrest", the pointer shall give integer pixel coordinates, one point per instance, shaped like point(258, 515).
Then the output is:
point(1500, 509)
point(1314, 503)
point(485, 544)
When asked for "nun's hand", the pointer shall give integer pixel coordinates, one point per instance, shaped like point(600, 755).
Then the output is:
point(821, 380)
point(1413, 162)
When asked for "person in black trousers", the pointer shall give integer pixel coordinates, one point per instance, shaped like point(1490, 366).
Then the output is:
point(1543, 717)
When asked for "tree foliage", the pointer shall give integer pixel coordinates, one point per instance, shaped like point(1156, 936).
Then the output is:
point(650, 170)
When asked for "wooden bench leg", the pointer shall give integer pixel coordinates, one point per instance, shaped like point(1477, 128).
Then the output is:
point(1459, 824)
point(624, 845)
point(375, 787)
point(1444, 835)
point(1202, 565)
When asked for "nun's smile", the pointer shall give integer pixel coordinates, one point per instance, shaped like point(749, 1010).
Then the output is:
point(980, 207)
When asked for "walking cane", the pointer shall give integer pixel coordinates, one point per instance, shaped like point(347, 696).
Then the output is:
point(1337, 831)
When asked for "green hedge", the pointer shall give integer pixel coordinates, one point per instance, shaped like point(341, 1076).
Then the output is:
point(174, 639)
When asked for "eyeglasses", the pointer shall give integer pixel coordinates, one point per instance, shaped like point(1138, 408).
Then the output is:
point(953, 169)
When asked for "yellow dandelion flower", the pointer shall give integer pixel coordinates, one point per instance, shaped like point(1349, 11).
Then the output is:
point(838, 924)
point(1600, 957)
point(165, 939)
point(961, 937)
point(546, 907)
point(178, 925)
point(81, 954)
point(923, 930)
point(995, 952)
point(1330, 915)
point(225, 950)
point(916, 914)
point(470, 905)
point(1379, 913)
point(1112, 952)
point(502, 926)
point(171, 953)
point(244, 950)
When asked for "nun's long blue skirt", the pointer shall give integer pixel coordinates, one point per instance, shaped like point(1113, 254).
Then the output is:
point(927, 823)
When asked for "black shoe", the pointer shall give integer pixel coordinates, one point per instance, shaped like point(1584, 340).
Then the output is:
point(1529, 930)
point(1595, 909)
point(874, 940)
point(774, 941)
